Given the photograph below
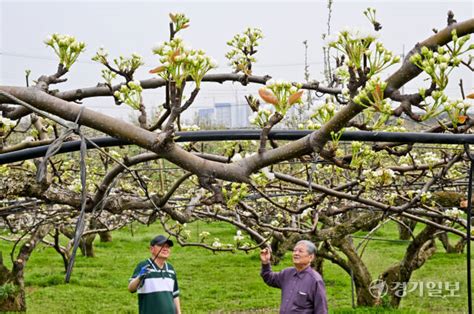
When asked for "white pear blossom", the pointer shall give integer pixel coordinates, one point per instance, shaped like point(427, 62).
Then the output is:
point(238, 237)
point(253, 117)
point(204, 234)
point(217, 243)
point(306, 213)
point(7, 122)
point(453, 213)
point(270, 175)
point(236, 157)
point(28, 139)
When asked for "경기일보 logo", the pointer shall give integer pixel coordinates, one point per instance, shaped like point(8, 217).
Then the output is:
point(378, 288)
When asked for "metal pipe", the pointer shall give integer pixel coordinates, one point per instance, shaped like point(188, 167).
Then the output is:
point(229, 135)
point(468, 231)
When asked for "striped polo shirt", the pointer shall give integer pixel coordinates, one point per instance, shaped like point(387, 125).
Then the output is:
point(158, 288)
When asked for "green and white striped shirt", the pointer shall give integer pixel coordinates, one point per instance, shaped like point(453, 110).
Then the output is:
point(158, 289)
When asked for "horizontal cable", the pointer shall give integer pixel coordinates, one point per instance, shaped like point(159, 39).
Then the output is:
point(234, 135)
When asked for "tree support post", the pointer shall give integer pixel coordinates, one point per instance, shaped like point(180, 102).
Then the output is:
point(468, 231)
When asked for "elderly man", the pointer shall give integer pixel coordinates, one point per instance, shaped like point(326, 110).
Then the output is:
point(302, 288)
point(155, 280)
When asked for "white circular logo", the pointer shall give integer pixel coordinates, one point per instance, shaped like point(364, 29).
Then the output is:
point(378, 288)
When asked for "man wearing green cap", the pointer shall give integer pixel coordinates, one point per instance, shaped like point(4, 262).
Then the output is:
point(155, 280)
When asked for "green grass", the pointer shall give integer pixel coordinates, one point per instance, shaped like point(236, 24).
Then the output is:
point(216, 283)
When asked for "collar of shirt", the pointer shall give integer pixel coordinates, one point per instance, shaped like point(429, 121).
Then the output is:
point(300, 274)
point(156, 267)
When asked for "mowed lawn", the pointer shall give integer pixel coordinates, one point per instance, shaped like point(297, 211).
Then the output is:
point(221, 282)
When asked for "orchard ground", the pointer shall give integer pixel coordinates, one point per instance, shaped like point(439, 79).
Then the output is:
point(223, 282)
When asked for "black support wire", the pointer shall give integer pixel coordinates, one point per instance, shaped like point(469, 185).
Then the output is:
point(80, 225)
point(52, 149)
point(468, 231)
point(233, 135)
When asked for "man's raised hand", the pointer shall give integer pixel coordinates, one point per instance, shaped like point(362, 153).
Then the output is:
point(265, 255)
point(143, 272)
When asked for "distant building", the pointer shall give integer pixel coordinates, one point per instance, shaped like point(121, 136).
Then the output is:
point(240, 116)
point(223, 115)
point(205, 116)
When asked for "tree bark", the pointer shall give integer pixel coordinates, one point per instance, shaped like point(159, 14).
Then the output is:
point(16, 300)
point(360, 273)
point(87, 245)
point(105, 236)
point(405, 231)
point(419, 251)
point(457, 248)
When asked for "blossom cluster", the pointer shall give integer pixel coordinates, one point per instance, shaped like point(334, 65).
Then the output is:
point(391, 198)
point(307, 213)
point(129, 65)
point(238, 237)
point(281, 94)
point(179, 20)
point(362, 155)
point(108, 76)
point(425, 197)
point(279, 219)
point(130, 94)
point(372, 95)
point(263, 177)
point(261, 117)
point(66, 47)
point(237, 192)
point(370, 14)
point(454, 212)
point(5, 125)
point(435, 64)
point(217, 243)
point(4, 170)
point(379, 177)
point(457, 111)
point(430, 158)
point(126, 65)
point(323, 112)
point(356, 44)
point(439, 64)
point(243, 48)
point(178, 62)
point(101, 56)
point(203, 235)
point(456, 172)
point(192, 127)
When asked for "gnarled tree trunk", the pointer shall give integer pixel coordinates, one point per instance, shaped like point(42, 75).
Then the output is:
point(406, 229)
point(360, 273)
point(456, 248)
point(105, 236)
point(15, 300)
point(419, 251)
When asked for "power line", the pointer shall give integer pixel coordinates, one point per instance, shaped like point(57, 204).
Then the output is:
point(30, 56)
point(286, 64)
point(26, 56)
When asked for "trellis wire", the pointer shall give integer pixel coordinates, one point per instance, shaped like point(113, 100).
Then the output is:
point(220, 135)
